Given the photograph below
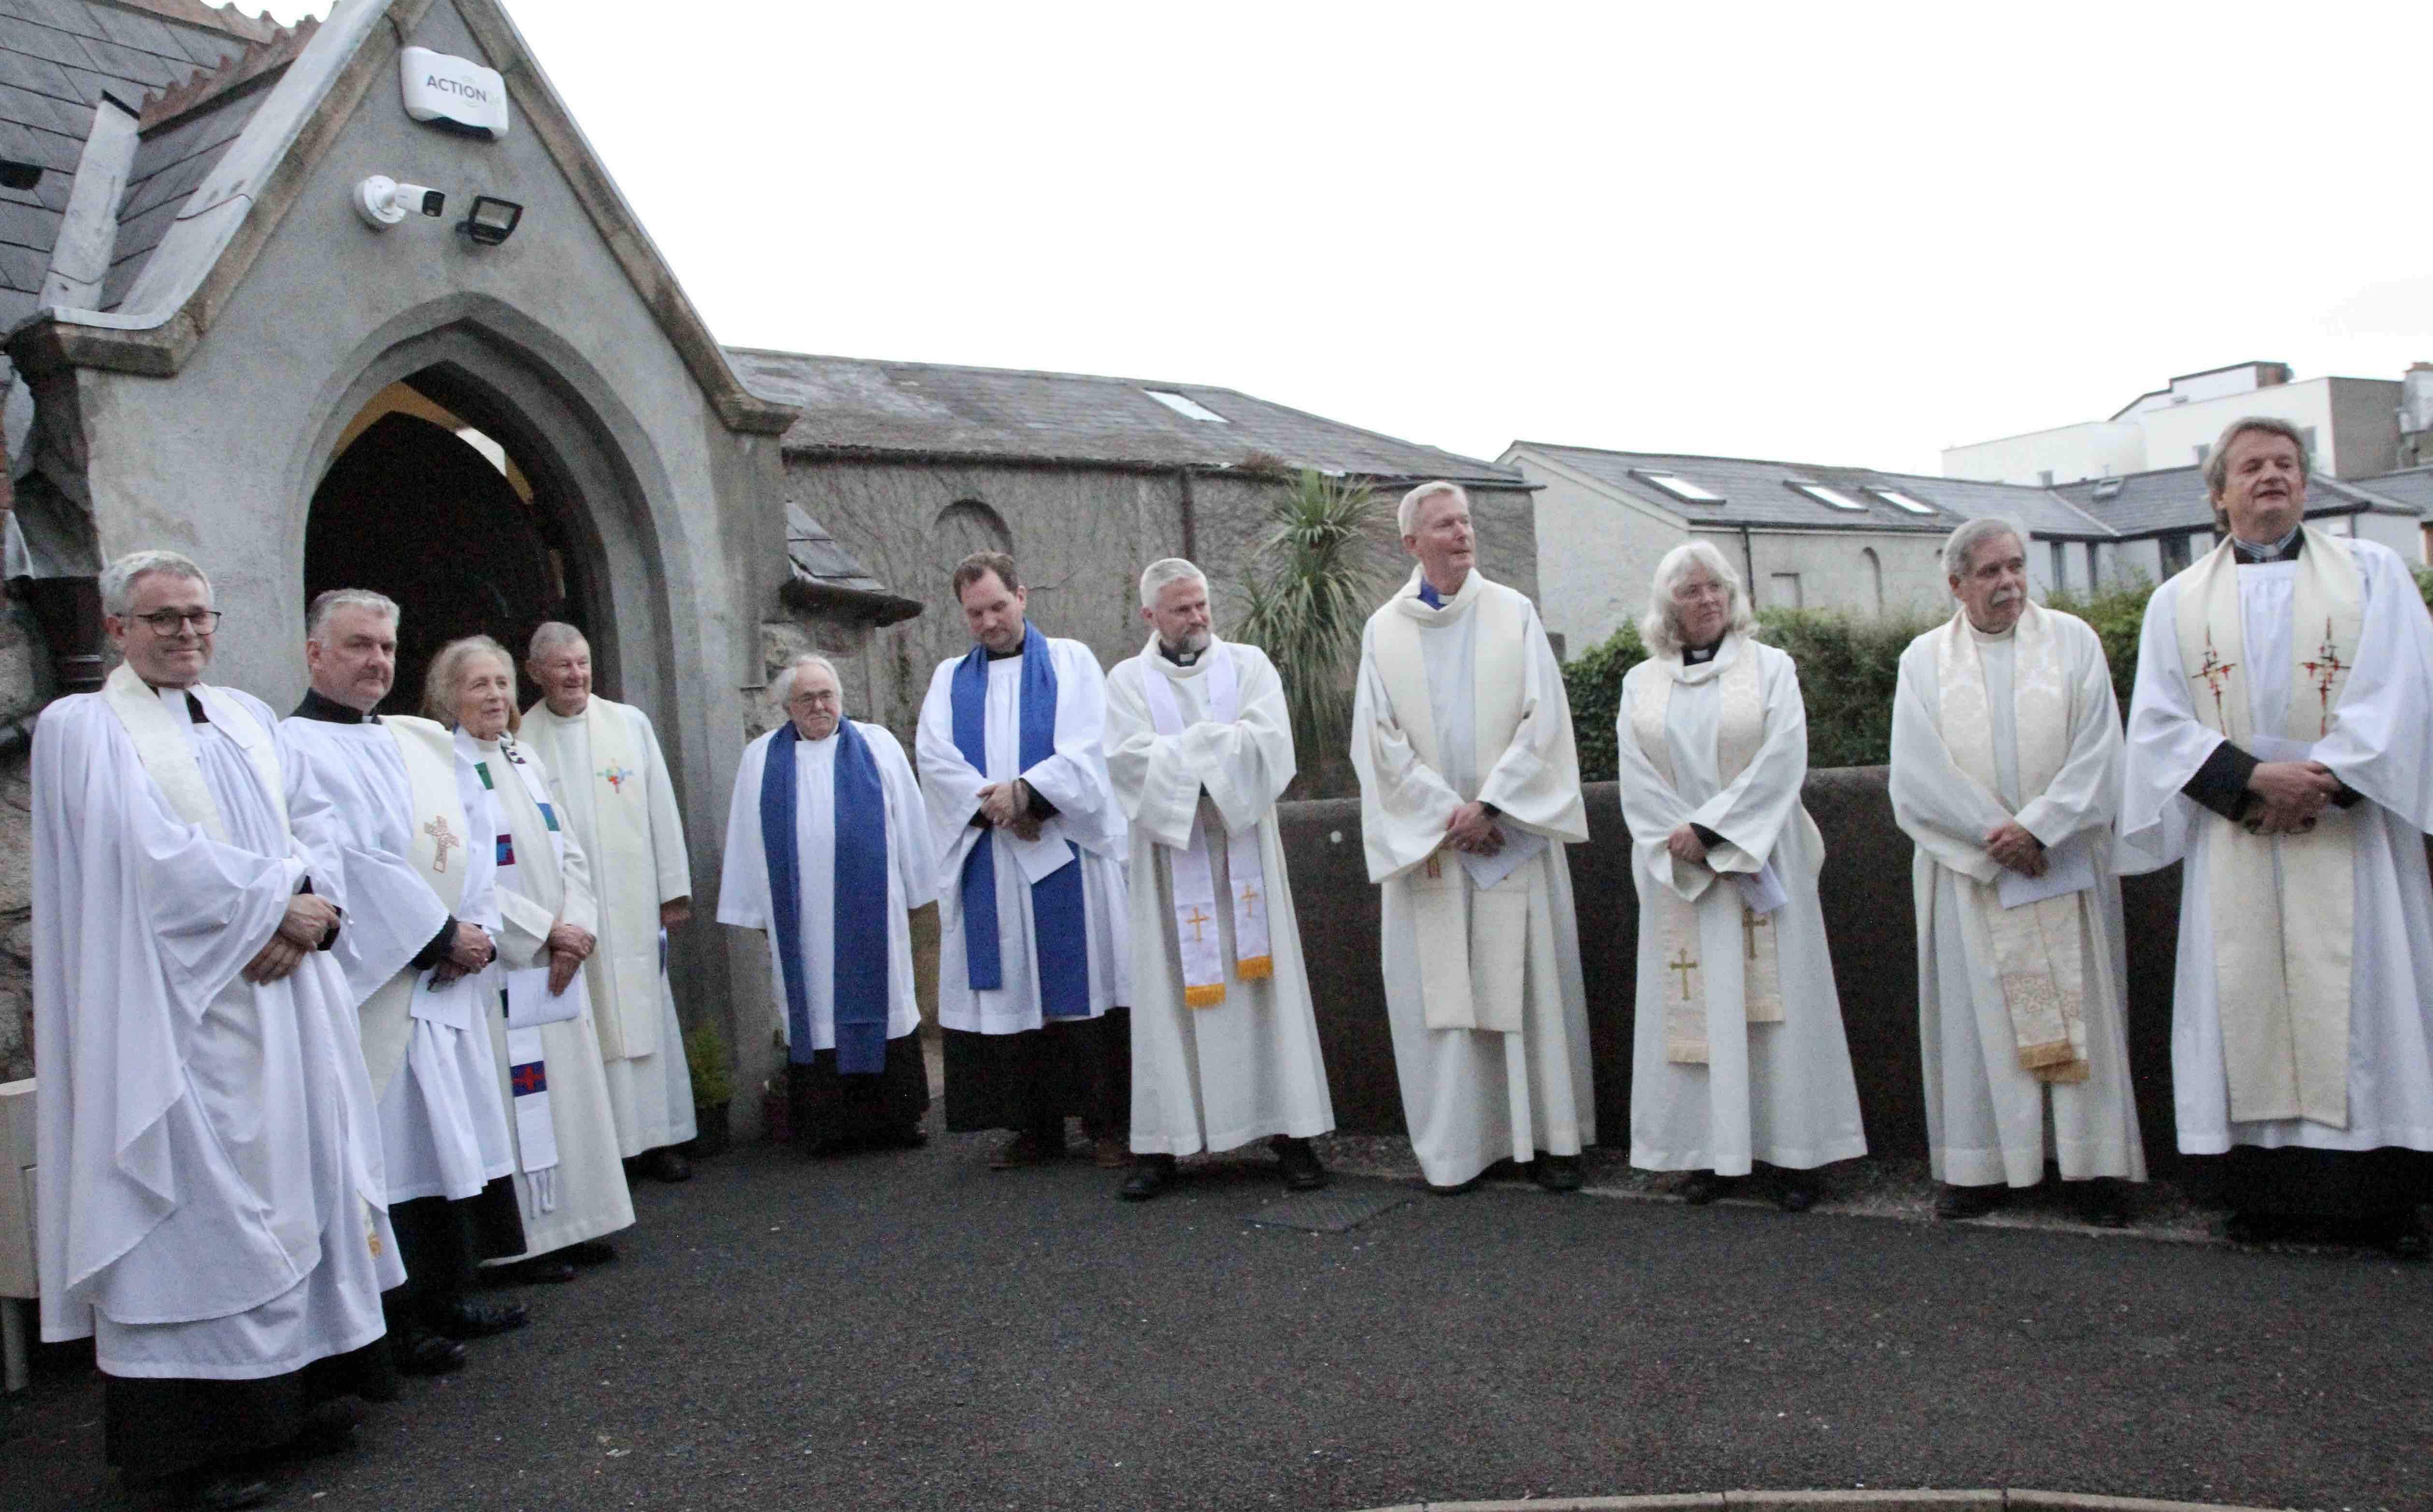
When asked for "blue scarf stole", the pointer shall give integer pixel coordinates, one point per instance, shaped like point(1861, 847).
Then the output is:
point(1062, 957)
point(861, 1004)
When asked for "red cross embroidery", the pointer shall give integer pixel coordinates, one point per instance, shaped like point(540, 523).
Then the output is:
point(2327, 667)
point(2216, 673)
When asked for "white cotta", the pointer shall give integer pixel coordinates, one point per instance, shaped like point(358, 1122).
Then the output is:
point(2374, 739)
point(911, 879)
point(1455, 704)
point(610, 782)
point(574, 1189)
point(394, 835)
point(1248, 1065)
point(210, 1198)
point(1074, 778)
point(2050, 759)
point(1782, 1093)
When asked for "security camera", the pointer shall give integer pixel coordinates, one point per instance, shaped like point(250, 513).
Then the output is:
point(383, 202)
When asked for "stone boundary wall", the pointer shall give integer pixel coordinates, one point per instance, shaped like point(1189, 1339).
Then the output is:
point(1868, 913)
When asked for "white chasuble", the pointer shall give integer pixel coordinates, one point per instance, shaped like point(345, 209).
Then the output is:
point(569, 1176)
point(911, 879)
point(1073, 776)
point(1246, 1064)
point(404, 862)
point(1988, 730)
point(1781, 1092)
point(610, 780)
point(210, 1196)
point(2305, 962)
point(1453, 705)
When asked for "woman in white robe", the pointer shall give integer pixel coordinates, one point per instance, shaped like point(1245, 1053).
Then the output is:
point(568, 1175)
point(1738, 1054)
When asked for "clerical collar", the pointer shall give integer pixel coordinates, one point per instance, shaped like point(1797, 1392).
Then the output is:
point(1700, 655)
point(1429, 596)
point(330, 711)
point(1185, 657)
point(2284, 549)
point(1003, 655)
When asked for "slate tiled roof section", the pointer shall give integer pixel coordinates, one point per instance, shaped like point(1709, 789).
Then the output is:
point(2174, 499)
point(57, 58)
point(829, 573)
point(857, 406)
point(2413, 486)
point(1759, 493)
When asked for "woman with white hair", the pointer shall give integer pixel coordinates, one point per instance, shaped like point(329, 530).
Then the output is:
point(1738, 1054)
point(568, 1171)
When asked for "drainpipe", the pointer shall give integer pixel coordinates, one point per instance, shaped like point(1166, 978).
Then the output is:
point(1748, 565)
point(1190, 515)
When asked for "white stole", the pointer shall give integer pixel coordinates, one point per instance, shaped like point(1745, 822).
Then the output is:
point(2038, 947)
point(525, 995)
point(164, 732)
point(1470, 968)
point(623, 867)
point(439, 852)
point(2283, 993)
point(1189, 869)
point(1739, 730)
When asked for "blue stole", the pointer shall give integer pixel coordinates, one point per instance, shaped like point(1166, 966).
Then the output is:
point(1429, 596)
point(862, 945)
point(1062, 957)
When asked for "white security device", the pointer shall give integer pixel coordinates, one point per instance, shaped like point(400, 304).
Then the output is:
point(383, 202)
point(456, 94)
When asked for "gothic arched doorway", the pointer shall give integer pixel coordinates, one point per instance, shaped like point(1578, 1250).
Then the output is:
point(426, 507)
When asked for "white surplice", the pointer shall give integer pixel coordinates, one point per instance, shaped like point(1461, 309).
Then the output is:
point(1782, 1093)
point(911, 878)
point(591, 1198)
point(211, 1196)
point(1985, 1115)
point(1471, 1096)
point(1220, 1076)
point(650, 1086)
point(443, 1130)
point(1074, 778)
point(2380, 745)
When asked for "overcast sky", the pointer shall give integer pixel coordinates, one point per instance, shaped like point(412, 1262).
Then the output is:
point(1828, 234)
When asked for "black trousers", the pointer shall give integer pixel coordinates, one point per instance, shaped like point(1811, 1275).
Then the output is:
point(2327, 1185)
point(154, 1427)
point(827, 1110)
point(441, 1243)
point(1032, 1083)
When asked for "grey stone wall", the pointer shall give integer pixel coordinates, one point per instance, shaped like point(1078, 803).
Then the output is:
point(1869, 914)
point(23, 687)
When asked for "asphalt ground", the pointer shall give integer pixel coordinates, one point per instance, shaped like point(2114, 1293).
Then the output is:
point(914, 1330)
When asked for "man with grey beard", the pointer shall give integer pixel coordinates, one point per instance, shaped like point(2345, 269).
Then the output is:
point(2005, 770)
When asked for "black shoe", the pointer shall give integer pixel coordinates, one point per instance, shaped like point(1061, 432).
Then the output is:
point(219, 1489)
point(328, 1429)
point(665, 1164)
point(1960, 1202)
point(541, 1270)
point(1795, 1195)
point(911, 1136)
point(1152, 1175)
point(1556, 1173)
point(1702, 1188)
point(2250, 1228)
point(2099, 1203)
point(590, 1252)
point(461, 1317)
point(1457, 1188)
point(1301, 1171)
point(427, 1354)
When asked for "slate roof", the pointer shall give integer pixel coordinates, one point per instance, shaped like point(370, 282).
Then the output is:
point(2174, 499)
point(1759, 493)
point(57, 59)
point(2413, 486)
point(825, 573)
point(857, 406)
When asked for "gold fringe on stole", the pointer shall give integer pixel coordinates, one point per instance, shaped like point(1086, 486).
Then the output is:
point(1255, 969)
point(1207, 996)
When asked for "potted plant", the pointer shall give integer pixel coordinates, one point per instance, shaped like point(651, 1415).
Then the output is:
point(713, 1088)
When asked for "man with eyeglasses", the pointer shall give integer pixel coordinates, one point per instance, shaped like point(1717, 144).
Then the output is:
point(212, 1199)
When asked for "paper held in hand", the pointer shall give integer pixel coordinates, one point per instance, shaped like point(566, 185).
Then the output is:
point(2067, 869)
point(1762, 889)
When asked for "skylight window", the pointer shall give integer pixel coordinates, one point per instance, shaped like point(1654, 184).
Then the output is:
point(1902, 501)
point(1183, 406)
point(1831, 498)
point(1680, 487)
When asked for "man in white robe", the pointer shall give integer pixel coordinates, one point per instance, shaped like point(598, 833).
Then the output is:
point(1737, 1051)
point(393, 790)
point(829, 863)
point(209, 1189)
point(1470, 789)
point(1224, 1034)
point(2281, 744)
point(612, 784)
point(2005, 772)
point(1034, 964)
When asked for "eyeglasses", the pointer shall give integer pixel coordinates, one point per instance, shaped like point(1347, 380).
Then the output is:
point(169, 621)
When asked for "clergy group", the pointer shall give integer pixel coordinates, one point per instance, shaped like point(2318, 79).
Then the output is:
point(348, 1019)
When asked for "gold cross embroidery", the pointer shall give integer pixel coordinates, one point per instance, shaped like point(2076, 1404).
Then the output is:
point(1195, 918)
point(2327, 667)
point(1249, 895)
point(1682, 964)
point(2216, 673)
point(442, 838)
point(1751, 922)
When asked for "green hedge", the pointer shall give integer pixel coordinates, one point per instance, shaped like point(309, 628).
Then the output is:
point(1848, 669)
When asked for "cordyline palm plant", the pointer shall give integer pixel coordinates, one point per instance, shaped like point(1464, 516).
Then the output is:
point(1319, 575)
